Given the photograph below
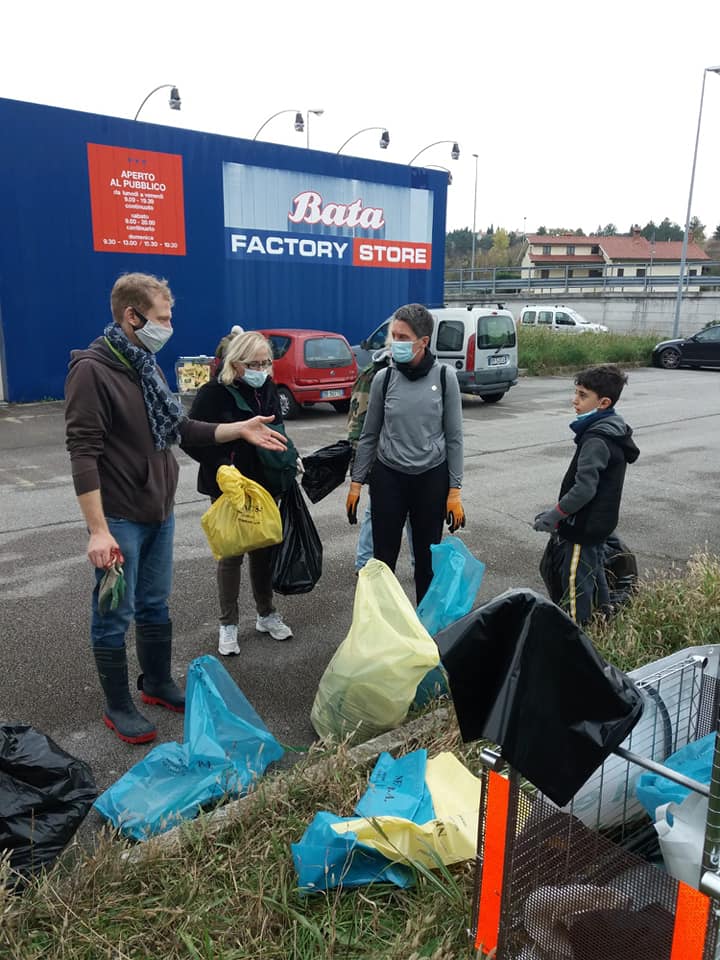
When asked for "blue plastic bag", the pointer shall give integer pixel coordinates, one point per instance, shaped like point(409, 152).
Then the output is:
point(457, 576)
point(694, 760)
point(226, 748)
point(397, 788)
point(324, 859)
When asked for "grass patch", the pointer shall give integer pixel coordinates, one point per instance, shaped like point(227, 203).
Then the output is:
point(231, 895)
point(542, 352)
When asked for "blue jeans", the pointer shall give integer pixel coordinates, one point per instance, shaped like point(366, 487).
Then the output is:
point(148, 552)
point(364, 550)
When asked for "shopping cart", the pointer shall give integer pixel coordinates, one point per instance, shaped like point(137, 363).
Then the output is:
point(585, 882)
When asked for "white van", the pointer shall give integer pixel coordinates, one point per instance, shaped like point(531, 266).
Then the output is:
point(558, 318)
point(478, 342)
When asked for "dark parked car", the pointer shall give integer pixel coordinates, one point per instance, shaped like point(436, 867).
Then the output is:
point(311, 366)
point(700, 350)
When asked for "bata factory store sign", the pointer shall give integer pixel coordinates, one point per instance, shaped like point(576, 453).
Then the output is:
point(136, 197)
point(274, 215)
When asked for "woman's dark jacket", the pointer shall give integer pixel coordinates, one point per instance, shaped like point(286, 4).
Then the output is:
point(214, 403)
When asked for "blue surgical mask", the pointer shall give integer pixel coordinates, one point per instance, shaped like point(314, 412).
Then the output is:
point(581, 416)
point(402, 350)
point(153, 336)
point(255, 378)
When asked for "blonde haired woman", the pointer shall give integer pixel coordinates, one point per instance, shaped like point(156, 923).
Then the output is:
point(244, 378)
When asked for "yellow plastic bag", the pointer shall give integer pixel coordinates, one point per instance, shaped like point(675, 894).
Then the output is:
point(244, 518)
point(369, 684)
point(450, 837)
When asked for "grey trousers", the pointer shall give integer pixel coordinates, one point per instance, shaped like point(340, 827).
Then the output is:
point(228, 580)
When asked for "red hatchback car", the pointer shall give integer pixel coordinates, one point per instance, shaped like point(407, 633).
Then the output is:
point(311, 366)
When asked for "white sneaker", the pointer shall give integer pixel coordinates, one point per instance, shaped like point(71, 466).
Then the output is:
point(274, 625)
point(227, 642)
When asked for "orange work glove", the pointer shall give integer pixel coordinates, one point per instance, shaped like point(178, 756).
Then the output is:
point(351, 504)
point(455, 514)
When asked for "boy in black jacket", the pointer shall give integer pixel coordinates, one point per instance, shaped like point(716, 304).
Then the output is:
point(589, 504)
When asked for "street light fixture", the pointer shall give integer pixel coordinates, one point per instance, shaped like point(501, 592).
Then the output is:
point(299, 123)
point(436, 166)
point(472, 256)
point(318, 113)
point(174, 102)
point(454, 153)
point(384, 138)
point(683, 255)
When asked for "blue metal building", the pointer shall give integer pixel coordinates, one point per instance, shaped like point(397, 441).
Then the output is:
point(245, 232)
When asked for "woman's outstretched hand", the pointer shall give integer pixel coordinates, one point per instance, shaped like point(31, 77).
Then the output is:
point(253, 431)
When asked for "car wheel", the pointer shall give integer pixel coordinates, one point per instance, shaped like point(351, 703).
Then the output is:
point(669, 358)
point(342, 406)
point(289, 408)
point(493, 397)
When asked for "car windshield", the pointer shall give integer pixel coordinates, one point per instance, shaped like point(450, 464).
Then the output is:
point(495, 331)
point(327, 352)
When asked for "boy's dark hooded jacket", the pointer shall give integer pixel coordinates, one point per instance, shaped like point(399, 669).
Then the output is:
point(591, 489)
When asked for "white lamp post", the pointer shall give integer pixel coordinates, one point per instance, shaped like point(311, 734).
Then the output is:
point(683, 255)
point(472, 257)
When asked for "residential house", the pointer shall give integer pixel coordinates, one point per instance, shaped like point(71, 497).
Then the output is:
point(568, 260)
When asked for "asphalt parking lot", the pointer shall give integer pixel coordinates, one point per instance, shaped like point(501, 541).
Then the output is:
point(515, 454)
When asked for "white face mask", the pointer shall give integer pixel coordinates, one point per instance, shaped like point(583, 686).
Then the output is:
point(153, 336)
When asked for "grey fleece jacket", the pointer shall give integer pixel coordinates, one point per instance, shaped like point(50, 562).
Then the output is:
point(416, 430)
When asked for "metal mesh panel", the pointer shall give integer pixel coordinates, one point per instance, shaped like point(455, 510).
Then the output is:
point(579, 883)
point(670, 720)
point(572, 893)
point(707, 707)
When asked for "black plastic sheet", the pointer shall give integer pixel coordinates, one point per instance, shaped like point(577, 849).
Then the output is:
point(326, 469)
point(45, 794)
point(524, 676)
point(297, 560)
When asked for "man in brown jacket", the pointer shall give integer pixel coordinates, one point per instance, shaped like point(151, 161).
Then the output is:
point(121, 420)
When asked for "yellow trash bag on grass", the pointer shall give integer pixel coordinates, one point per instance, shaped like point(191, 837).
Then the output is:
point(244, 518)
point(369, 684)
point(450, 838)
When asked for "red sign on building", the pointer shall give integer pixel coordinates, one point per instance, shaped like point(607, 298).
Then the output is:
point(136, 197)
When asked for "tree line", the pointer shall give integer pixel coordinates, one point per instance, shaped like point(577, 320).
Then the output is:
point(497, 247)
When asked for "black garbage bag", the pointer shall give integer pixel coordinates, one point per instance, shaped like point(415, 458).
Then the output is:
point(297, 560)
point(621, 570)
point(326, 469)
point(524, 675)
point(44, 796)
point(551, 568)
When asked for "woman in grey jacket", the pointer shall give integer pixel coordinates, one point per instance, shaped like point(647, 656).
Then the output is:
point(411, 448)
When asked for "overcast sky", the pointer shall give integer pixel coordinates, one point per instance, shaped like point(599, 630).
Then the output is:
point(582, 114)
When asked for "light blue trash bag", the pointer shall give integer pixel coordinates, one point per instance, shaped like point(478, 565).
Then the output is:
point(457, 576)
point(325, 859)
point(694, 760)
point(226, 748)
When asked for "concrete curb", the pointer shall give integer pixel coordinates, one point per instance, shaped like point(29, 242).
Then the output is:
point(234, 811)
